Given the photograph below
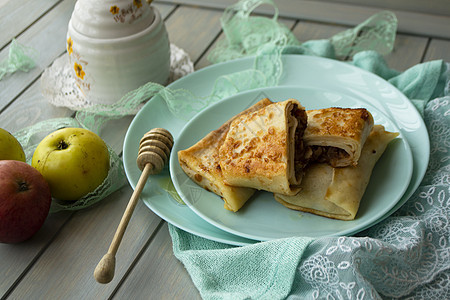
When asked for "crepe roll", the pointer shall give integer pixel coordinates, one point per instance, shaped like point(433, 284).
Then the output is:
point(337, 192)
point(337, 135)
point(264, 149)
point(201, 163)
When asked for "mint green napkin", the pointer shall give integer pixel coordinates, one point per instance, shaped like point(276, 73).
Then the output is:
point(419, 83)
point(406, 255)
point(220, 271)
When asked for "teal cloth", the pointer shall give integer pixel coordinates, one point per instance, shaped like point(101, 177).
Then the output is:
point(258, 271)
point(403, 255)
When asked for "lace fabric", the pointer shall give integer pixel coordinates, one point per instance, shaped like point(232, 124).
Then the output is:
point(30, 137)
point(20, 58)
point(247, 35)
point(59, 87)
point(376, 33)
point(407, 255)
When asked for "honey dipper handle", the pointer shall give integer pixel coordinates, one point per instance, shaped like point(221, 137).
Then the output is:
point(104, 272)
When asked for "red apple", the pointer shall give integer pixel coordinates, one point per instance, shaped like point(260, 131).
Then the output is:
point(24, 201)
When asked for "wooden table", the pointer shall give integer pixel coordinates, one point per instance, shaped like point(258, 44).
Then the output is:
point(58, 262)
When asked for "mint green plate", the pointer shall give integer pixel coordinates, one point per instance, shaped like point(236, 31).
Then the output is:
point(304, 71)
point(262, 218)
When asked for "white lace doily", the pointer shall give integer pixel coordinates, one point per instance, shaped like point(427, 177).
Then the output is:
point(59, 86)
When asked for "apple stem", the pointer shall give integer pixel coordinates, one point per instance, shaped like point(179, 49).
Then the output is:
point(62, 145)
point(22, 186)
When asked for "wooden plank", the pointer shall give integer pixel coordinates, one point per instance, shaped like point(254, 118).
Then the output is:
point(158, 274)
point(438, 49)
point(16, 17)
point(306, 31)
point(48, 38)
point(418, 23)
point(438, 7)
point(193, 29)
point(29, 108)
point(17, 258)
point(65, 269)
point(408, 51)
point(164, 9)
point(23, 255)
point(3, 3)
point(423, 24)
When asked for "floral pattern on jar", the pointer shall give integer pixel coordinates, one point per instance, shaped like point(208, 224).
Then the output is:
point(69, 45)
point(114, 10)
point(79, 70)
point(127, 14)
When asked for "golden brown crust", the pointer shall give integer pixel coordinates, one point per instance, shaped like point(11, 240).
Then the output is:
point(337, 135)
point(201, 163)
point(345, 122)
point(259, 152)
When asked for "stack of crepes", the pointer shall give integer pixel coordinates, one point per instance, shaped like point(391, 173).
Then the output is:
point(317, 161)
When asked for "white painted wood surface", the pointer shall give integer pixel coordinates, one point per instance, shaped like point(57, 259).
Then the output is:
point(59, 261)
point(429, 18)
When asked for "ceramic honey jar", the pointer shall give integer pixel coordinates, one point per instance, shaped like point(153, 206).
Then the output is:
point(115, 46)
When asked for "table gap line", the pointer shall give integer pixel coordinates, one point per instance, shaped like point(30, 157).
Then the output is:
point(427, 46)
point(20, 93)
point(207, 48)
point(35, 259)
point(191, 5)
point(30, 25)
point(172, 11)
point(137, 259)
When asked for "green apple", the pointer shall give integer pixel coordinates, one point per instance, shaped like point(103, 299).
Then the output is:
point(74, 161)
point(10, 148)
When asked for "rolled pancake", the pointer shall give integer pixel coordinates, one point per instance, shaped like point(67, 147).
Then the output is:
point(264, 149)
point(337, 192)
point(201, 163)
point(337, 135)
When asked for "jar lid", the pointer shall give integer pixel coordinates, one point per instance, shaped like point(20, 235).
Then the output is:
point(106, 19)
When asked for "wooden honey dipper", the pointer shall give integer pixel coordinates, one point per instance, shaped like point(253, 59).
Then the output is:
point(154, 152)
